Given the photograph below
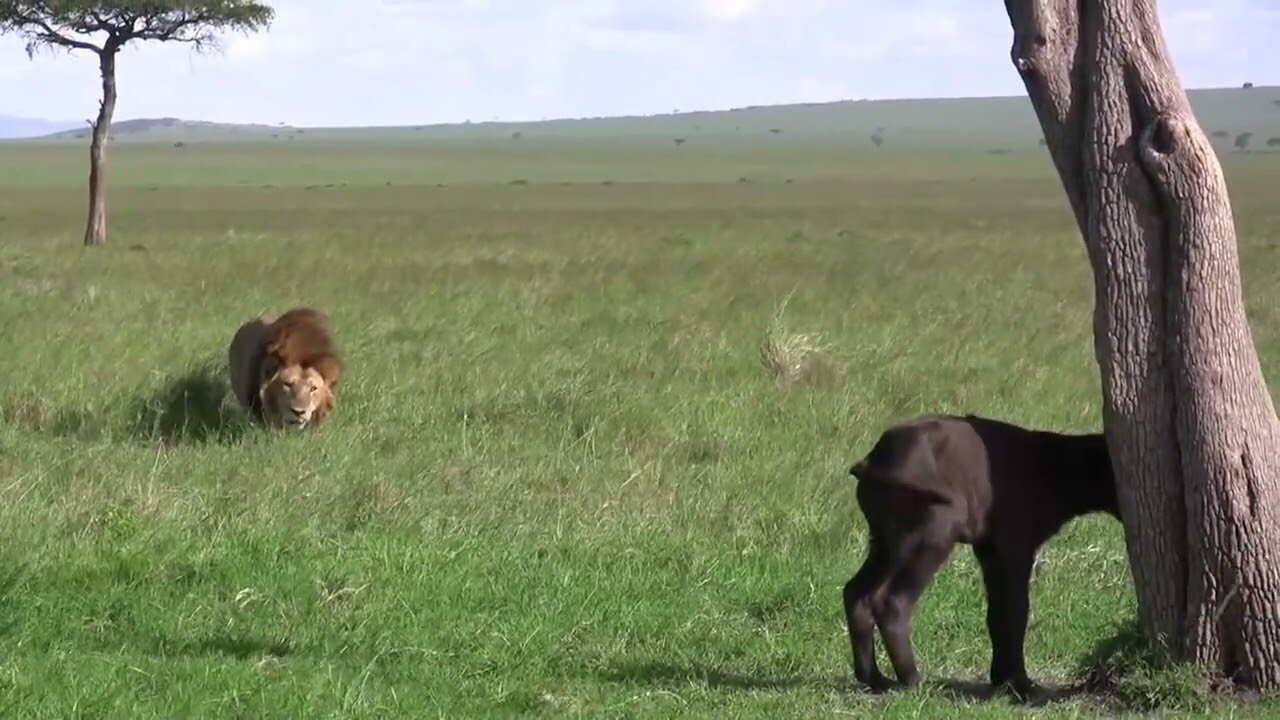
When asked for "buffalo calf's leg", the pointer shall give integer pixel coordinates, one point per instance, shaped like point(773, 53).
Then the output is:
point(1007, 577)
point(859, 595)
point(914, 566)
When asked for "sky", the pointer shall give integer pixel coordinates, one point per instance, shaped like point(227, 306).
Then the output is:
point(409, 62)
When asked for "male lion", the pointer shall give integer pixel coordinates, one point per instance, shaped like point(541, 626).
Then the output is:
point(284, 371)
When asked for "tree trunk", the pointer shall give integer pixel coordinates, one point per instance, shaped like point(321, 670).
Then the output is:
point(1191, 426)
point(95, 232)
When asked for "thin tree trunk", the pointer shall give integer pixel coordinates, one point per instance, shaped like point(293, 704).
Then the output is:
point(1191, 427)
point(96, 230)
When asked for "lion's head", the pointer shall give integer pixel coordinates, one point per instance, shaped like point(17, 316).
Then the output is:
point(285, 370)
point(295, 396)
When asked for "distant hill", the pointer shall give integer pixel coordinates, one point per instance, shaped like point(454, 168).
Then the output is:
point(21, 127)
point(990, 123)
point(162, 129)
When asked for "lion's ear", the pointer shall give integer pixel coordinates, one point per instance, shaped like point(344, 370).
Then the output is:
point(326, 405)
point(330, 370)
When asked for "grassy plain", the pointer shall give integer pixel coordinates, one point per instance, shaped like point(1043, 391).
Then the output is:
point(561, 481)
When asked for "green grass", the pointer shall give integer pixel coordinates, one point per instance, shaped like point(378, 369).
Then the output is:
point(561, 481)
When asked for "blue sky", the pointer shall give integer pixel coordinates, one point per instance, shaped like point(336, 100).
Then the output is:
point(422, 61)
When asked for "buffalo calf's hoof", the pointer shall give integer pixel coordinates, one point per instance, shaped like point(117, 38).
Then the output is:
point(1022, 689)
point(876, 684)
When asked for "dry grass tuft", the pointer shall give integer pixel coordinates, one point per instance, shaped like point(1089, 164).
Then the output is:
point(792, 357)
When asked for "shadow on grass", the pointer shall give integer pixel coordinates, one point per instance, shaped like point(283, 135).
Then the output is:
point(663, 674)
point(240, 647)
point(1115, 657)
point(970, 690)
point(10, 577)
point(1121, 674)
point(1126, 673)
point(189, 409)
point(667, 674)
point(34, 413)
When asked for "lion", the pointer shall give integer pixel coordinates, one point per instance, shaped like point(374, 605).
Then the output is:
point(284, 370)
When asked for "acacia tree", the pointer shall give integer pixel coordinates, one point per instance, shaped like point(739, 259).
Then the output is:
point(1190, 424)
point(103, 28)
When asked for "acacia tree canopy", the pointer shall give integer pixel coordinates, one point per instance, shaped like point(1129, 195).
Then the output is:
point(107, 26)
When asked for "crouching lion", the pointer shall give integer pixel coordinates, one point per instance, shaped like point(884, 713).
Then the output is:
point(284, 371)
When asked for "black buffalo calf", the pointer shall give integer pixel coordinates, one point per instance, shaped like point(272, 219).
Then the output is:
point(938, 480)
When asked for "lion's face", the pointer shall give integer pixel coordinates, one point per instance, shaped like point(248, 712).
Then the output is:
point(295, 396)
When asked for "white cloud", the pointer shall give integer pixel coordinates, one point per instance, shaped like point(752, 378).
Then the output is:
point(729, 9)
point(247, 48)
point(934, 26)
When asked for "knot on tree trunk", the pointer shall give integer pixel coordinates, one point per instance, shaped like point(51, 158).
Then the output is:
point(1162, 141)
point(1026, 51)
point(1181, 164)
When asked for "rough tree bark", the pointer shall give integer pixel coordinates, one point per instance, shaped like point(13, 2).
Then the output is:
point(95, 232)
point(1191, 426)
